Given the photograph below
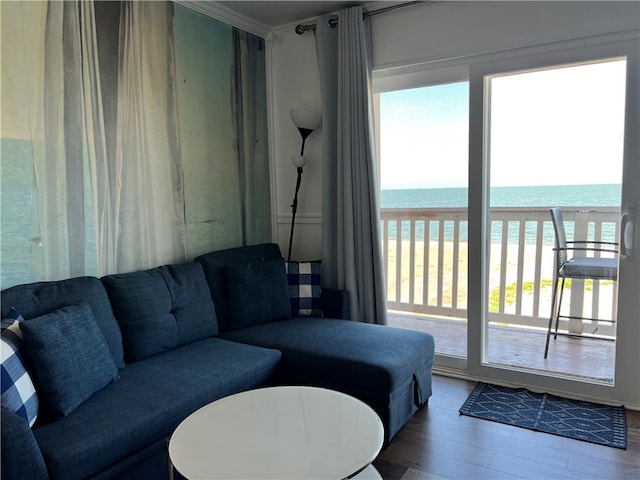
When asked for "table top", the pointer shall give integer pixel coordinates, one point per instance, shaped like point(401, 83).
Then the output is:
point(278, 432)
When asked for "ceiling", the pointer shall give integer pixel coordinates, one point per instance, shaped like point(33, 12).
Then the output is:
point(274, 14)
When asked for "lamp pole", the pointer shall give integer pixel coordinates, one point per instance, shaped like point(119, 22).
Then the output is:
point(294, 209)
point(306, 123)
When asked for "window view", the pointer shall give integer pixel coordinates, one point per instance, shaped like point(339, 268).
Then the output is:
point(423, 172)
point(556, 140)
point(555, 137)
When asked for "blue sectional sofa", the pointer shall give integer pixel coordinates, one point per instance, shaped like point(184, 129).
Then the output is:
point(119, 362)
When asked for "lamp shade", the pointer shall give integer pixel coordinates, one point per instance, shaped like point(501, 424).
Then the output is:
point(305, 119)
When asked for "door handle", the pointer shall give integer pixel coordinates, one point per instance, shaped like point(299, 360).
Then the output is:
point(626, 236)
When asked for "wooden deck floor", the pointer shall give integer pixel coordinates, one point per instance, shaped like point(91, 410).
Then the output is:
point(520, 347)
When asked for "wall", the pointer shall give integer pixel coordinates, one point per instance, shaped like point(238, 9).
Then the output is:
point(223, 133)
point(421, 34)
point(445, 30)
point(221, 109)
point(294, 80)
point(212, 205)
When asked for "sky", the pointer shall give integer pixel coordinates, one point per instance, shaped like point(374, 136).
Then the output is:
point(548, 127)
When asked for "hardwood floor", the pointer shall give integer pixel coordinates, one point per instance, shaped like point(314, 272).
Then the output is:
point(439, 443)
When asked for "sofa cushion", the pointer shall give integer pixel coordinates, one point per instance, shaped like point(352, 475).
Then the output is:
point(361, 355)
point(37, 299)
point(148, 402)
point(161, 308)
point(213, 264)
point(69, 357)
point(258, 292)
point(18, 393)
point(305, 292)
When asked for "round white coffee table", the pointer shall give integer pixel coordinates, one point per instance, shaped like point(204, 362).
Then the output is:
point(279, 432)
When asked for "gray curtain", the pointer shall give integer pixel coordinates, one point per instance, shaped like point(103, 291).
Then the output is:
point(249, 112)
point(351, 250)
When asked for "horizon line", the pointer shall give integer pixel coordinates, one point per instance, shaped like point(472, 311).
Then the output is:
point(504, 186)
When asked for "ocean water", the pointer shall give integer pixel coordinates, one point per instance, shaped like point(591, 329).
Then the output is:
point(539, 196)
point(534, 196)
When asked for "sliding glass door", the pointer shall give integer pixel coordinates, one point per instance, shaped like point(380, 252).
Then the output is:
point(554, 129)
point(548, 126)
point(555, 138)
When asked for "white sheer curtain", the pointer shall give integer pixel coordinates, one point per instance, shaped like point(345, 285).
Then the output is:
point(21, 132)
point(61, 169)
point(351, 249)
point(99, 181)
point(68, 207)
point(148, 188)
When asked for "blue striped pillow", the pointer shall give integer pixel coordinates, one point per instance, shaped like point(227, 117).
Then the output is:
point(18, 393)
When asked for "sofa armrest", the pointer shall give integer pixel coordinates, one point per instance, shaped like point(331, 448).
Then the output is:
point(21, 456)
point(335, 303)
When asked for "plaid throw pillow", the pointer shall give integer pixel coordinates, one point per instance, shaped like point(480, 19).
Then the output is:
point(18, 393)
point(304, 288)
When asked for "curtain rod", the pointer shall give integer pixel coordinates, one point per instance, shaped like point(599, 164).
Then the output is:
point(300, 29)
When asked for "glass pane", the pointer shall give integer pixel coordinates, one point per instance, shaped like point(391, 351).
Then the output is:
point(423, 140)
point(556, 140)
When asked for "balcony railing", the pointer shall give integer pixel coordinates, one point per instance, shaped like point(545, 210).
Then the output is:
point(426, 272)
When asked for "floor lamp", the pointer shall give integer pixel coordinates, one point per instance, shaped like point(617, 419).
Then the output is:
point(306, 122)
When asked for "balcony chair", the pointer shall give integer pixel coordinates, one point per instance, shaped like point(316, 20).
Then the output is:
point(579, 267)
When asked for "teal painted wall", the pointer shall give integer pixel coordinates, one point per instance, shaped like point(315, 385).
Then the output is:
point(203, 68)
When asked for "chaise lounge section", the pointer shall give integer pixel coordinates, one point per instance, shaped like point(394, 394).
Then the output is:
point(387, 368)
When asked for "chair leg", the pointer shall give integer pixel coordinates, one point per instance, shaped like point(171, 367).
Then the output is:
point(555, 335)
point(553, 313)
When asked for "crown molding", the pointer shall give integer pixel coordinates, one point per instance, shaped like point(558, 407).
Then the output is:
point(226, 15)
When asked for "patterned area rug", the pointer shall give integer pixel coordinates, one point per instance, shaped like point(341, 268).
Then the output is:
point(546, 413)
